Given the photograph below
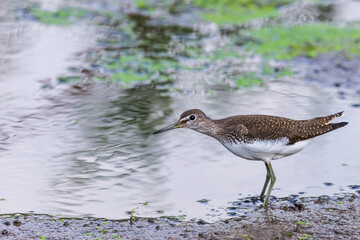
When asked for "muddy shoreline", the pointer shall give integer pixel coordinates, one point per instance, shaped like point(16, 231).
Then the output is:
point(308, 218)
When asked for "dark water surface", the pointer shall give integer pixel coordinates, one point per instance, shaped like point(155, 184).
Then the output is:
point(88, 150)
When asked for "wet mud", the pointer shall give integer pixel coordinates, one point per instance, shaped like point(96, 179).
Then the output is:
point(308, 218)
point(332, 70)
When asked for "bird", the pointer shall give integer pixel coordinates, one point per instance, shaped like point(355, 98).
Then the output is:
point(258, 137)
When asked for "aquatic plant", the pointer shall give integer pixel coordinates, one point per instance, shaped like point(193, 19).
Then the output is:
point(135, 68)
point(68, 79)
point(248, 80)
point(246, 237)
point(181, 217)
point(307, 223)
point(235, 11)
point(305, 237)
point(284, 43)
point(204, 200)
point(63, 16)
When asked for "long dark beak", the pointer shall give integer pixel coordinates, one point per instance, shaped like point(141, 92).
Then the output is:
point(170, 127)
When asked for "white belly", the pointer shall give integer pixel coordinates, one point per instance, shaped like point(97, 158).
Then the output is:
point(266, 150)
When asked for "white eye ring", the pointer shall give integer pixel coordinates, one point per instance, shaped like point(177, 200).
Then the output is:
point(192, 117)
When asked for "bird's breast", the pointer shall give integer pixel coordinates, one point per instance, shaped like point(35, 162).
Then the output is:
point(265, 150)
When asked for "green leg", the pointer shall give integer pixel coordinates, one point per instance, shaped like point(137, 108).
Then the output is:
point(272, 182)
point(265, 184)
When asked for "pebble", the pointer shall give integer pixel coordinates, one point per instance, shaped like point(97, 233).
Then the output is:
point(319, 201)
point(17, 223)
point(201, 222)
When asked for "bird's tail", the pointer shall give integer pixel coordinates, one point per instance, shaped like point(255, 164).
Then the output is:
point(320, 125)
point(337, 125)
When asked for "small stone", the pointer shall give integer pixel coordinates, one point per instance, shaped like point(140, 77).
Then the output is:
point(66, 224)
point(183, 235)
point(17, 223)
point(4, 232)
point(319, 201)
point(7, 223)
point(86, 225)
point(299, 206)
point(150, 220)
point(201, 222)
point(202, 235)
point(157, 227)
point(285, 208)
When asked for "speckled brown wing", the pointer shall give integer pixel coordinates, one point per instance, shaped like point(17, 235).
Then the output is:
point(266, 127)
point(249, 128)
point(310, 128)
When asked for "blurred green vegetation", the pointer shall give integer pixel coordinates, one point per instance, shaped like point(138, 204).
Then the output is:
point(136, 52)
point(237, 11)
point(248, 80)
point(310, 40)
point(64, 16)
point(135, 68)
point(68, 79)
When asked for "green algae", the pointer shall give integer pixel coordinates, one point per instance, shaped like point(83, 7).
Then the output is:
point(310, 40)
point(238, 11)
point(284, 73)
point(142, 4)
point(276, 72)
point(248, 80)
point(135, 68)
point(224, 53)
point(63, 16)
point(68, 79)
point(238, 14)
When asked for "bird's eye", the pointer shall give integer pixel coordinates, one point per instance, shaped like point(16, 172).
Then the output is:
point(192, 117)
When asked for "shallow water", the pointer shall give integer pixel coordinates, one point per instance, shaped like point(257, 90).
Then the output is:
point(88, 149)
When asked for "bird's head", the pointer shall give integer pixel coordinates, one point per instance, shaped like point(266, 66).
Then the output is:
point(189, 119)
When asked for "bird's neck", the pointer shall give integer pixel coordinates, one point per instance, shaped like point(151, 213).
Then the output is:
point(208, 127)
